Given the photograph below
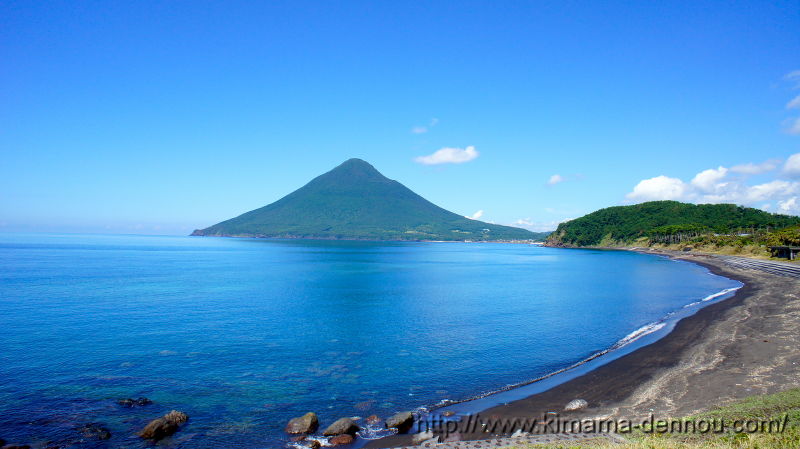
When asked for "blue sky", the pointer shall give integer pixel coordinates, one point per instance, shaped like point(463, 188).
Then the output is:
point(163, 117)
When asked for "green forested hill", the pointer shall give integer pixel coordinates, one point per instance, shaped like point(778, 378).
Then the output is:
point(355, 201)
point(655, 219)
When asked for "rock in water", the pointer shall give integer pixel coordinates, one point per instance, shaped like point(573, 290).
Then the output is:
point(342, 426)
point(401, 421)
point(164, 426)
point(576, 404)
point(95, 430)
point(130, 402)
point(176, 417)
point(341, 439)
point(307, 423)
point(315, 444)
point(373, 419)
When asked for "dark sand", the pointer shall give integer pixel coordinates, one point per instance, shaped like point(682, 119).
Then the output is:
point(745, 345)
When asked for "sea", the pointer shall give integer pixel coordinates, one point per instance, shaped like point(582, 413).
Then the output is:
point(244, 334)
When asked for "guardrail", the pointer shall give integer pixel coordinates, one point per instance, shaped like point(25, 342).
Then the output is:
point(768, 266)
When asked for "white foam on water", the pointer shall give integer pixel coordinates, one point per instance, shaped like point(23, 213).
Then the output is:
point(713, 296)
point(639, 333)
point(374, 431)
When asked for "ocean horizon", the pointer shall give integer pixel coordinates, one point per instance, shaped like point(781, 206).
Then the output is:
point(244, 334)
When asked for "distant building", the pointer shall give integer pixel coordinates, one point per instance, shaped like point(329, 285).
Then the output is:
point(785, 252)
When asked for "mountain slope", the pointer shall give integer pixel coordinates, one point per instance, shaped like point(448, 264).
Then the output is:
point(355, 201)
point(656, 219)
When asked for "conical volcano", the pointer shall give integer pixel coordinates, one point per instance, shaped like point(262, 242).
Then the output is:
point(354, 201)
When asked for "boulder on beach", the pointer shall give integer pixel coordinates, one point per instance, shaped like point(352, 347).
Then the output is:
point(164, 426)
point(401, 421)
point(307, 423)
point(130, 402)
point(339, 440)
point(95, 430)
point(342, 426)
point(576, 404)
point(422, 437)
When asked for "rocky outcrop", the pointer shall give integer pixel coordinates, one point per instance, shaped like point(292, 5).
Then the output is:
point(165, 426)
point(342, 426)
point(340, 440)
point(308, 423)
point(130, 402)
point(401, 421)
point(95, 431)
point(576, 404)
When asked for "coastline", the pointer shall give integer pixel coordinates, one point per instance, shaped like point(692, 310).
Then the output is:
point(727, 350)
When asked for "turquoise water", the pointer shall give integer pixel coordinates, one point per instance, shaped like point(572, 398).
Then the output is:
point(243, 334)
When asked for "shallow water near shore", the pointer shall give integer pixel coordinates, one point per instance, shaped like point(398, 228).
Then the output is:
point(243, 334)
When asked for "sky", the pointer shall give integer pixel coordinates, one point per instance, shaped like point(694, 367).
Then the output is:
point(163, 117)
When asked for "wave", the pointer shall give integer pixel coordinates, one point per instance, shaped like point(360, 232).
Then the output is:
point(713, 296)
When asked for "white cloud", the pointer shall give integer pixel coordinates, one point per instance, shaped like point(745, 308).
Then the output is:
point(717, 186)
point(423, 129)
point(794, 77)
point(789, 206)
point(756, 169)
point(792, 165)
point(707, 180)
point(792, 125)
point(537, 226)
point(768, 191)
point(658, 188)
point(449, 156)
point(555, 179)
point(476, 215)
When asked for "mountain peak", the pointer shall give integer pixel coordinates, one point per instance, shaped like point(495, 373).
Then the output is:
point(356, 168)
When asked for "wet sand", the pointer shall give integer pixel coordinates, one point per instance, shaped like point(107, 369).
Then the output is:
point(742, 346)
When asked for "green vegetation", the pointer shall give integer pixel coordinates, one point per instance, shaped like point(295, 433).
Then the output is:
point(672, 222)
point(355, 202)
point(780, 407)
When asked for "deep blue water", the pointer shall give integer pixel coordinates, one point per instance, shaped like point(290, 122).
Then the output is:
point(243, 334)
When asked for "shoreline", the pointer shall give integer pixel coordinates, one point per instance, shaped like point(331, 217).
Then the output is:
point(653, 377)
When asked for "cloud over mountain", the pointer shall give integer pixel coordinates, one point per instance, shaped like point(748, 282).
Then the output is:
point(729, 185)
